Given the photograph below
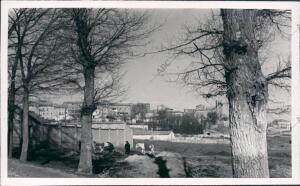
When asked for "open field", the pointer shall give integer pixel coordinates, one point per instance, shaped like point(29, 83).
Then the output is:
point(171, 160)
point(214, 160)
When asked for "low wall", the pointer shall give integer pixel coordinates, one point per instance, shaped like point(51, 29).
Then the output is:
point(69, 136)
point(202, 140)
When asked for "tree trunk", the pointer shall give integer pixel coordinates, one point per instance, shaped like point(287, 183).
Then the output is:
point(11, 107)
point(85, 164)
point(247, 95)
point(25, 128)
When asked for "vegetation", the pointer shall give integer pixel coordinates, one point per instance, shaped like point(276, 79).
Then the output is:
point(70, 49)
point(185, 124)
point(98, 41)
point(33, 60)
point(139, 110)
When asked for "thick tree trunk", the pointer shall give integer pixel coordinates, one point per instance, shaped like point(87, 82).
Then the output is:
point(85, 164)
point(247, 95)
point(11, 115)
point(11, 107)
point(25, 127)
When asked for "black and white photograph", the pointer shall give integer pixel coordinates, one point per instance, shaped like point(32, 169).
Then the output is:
point(111, 90)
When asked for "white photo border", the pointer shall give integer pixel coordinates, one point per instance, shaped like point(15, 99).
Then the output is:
point(295, 92)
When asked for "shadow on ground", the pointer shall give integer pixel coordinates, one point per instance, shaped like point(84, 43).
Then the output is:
point(163, 171)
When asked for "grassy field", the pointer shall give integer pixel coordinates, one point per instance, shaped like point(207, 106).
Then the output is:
point(185, 160)
point(214, 160)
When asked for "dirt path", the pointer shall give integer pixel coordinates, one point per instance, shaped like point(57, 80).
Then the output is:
point(18, 169)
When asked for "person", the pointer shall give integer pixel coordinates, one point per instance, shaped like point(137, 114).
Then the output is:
point(151, 147)
point(127, 148)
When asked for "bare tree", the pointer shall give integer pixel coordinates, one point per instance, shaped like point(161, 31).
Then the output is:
point(36, 50)
point(98, 42)
point(227, 48)
point(14, 20)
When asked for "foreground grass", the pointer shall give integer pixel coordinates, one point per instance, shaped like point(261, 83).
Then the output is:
point(16, 168)
point(214, 160)
point(198, 160)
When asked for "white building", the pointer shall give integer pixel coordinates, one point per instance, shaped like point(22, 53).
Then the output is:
point(154, 135)
point(116, 111)
point(73, 109)
point(139, 126)
point(279, 125)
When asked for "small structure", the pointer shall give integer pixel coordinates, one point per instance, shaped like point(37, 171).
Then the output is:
point(154, 135)
point(279, 127)
point(116, 133)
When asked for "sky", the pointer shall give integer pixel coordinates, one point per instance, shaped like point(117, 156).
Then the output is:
point(141, 74)
point(146, 86)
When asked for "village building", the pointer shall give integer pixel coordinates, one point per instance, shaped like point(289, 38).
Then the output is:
point(220, 108)
point(118, 112)
point(123, 109)
point(139, 126)
point(112, 112)
point(49, 111)
point(202, 110)
point(73, 109)
point(150, 116)
point(54, 112)
point(279, 125)
point(189, 111)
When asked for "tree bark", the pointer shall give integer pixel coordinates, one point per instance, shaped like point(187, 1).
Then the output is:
point(247, 95)
point(11, 105)
point(11, 110)
point(10, 131)
point(85, 164)
point(25, 128)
